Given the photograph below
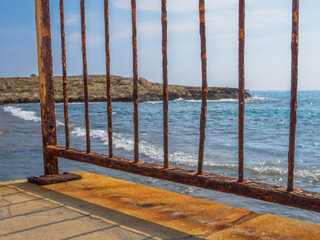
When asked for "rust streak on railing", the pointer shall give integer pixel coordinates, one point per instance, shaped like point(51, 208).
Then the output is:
point(109, 99)
point(135, 80)
point(165, 83)
point(85, 73)
point(241, 89)
point(294, 91)
point(204, 84)
point(64, 75)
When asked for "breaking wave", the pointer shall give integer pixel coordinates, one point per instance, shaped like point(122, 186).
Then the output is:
point(26, 115)
point(191, 160)
point(256, 98)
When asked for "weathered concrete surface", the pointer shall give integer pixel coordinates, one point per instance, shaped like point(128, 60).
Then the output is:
point(146, 212)
point(24, 215)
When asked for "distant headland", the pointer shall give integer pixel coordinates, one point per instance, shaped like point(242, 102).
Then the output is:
point(26, 90)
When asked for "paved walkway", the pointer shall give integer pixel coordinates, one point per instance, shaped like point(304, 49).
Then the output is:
point(25, 215)
point(99, 207)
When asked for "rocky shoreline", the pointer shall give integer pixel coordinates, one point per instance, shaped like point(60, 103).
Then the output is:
point(26, 90)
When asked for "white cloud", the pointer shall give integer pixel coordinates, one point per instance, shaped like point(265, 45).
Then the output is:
point(222, 4)
point(304, 17)
point(72, 19)
point(124, 33)
point(148, 29)
point(144, 5)
point(75, 38)
point(177, 6)
point(75, 19)
point(95, 40)
point(218, 22)
point(268, 18)
point(154, 29)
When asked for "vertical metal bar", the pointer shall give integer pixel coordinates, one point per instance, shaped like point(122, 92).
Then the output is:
point(135, 81)
point(64, 77)
point(108, 74)
point(85, 73)
point(294, 91)
point(165, 83)
point(204, 84)
point(48, 113)
point(241, 89)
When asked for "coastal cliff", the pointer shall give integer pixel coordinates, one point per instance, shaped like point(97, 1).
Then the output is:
point(26, 90)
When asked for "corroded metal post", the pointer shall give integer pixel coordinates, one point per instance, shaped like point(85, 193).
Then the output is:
point(204, 84)
point(109, 99)
point(294, 91)
point(85, 72)
point(64, 73)
point(48, 113)
point(165, 83)
point(241, 88)
point(135, 81)
point(47, 103)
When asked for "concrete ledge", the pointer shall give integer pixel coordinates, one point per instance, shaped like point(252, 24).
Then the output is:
point(153, 213)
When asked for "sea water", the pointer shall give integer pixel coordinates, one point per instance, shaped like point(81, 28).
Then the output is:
point(266, 142)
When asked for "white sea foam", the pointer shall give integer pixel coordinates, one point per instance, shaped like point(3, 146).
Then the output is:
point(188, 159)
point(81, 132)
point(256, 98)
point(147, 149)
point(160, 101)
point(156, 153)
point(224, 100)
point(152, 102)
point(26, 115)
point(192, 101)
point(251, 99)
point(218, 100)
point(276, 171)
point(177, 100)
point(75, 103)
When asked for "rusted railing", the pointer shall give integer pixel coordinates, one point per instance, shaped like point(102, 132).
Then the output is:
point(51, 151)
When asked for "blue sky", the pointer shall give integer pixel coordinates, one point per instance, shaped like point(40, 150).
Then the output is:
point(268, 36)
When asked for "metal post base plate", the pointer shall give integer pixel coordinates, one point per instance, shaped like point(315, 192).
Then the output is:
point(51, 179)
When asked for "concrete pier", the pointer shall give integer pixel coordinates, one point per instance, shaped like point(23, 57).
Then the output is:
point(100, 207)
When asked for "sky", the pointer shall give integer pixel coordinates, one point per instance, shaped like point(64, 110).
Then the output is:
point(267, 54)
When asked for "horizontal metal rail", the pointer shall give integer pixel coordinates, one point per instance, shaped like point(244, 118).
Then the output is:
point(262, 191)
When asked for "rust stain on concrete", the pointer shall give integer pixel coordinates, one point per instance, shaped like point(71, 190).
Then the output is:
point(191, 215)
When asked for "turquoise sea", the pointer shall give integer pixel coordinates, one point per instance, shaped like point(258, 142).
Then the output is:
point(266, 142)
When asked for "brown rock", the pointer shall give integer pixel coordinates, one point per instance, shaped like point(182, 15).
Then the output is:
point(26, 90)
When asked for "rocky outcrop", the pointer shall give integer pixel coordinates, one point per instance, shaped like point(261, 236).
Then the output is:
point(26, 90)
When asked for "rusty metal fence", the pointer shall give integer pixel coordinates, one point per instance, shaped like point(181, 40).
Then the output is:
point(51, 151)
